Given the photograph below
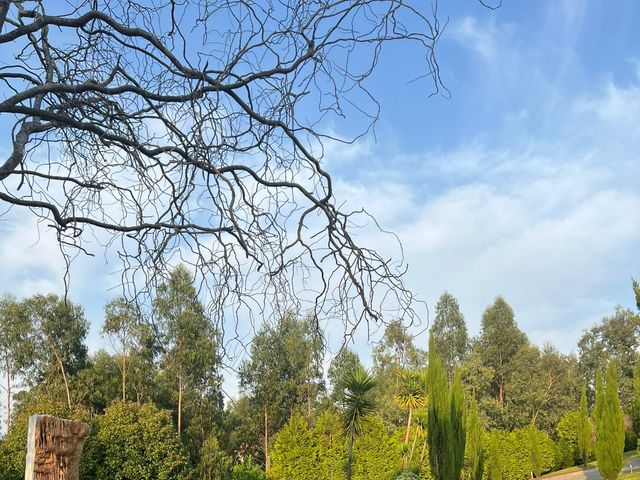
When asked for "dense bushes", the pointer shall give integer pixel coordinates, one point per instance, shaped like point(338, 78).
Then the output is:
point(515, 450)
point(319, 452)
point(136, 441)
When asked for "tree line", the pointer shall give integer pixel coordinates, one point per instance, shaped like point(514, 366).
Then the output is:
point(492, 407)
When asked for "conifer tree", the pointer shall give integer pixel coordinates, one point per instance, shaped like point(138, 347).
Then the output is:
point(609, 427)
point(458, 425)
point(597, 407)
point(438, 417)
point(474, 446)
point(446, 423)
point(534, 451)
point(584, 428)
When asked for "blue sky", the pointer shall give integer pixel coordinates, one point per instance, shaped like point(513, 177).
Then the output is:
point(522, 183)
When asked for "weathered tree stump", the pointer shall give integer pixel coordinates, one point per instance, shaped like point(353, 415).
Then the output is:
point(54, 448)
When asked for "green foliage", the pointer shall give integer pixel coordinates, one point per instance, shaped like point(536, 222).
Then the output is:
point(635, 407)
point(16, 345)
point(609, 427)
point(499, 342)
point(514, 453)
point(395, 353)
point(584, 429)
point(214, 463)
point(412, 395)
point(475, 452)
point(247, 470)
point(449, 332)
point(542, 385)
point(345, 361)
point(458, 425)
point(377, 455)
point(319, 453)
point(615, 339)
point(357, 385)
point(535, 454)
point(568, 432)
point(495, 457)
point(294, 452)
point(137, 441)
point(438, 418)
point(283, 373)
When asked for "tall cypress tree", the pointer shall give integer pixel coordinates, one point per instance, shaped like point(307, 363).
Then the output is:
point(609, 427)
point(584, 428)
point(534, 451)
point(475, 447)
point(458, 425)
point(439, 435)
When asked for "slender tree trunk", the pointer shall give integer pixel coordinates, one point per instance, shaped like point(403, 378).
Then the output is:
point(8, 399)
point(406, 436)
point(267, 460)
point(179, 404)
point(424, 450)
point(349, 457)
point(64, 378)
point(501, 393)
point(413, 447)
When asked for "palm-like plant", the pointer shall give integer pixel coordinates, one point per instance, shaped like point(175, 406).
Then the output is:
point(356, 384)
point(412, 395)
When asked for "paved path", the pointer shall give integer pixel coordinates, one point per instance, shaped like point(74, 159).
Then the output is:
point(593, 474)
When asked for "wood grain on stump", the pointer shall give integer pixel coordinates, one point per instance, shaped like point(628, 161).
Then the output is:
point(54, 448)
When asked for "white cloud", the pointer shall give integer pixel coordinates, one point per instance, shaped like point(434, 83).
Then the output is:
point(551, 224)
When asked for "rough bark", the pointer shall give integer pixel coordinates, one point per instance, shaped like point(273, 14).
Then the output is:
point(54, 448)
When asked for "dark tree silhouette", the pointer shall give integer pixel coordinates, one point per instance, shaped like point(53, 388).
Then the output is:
point(196, 130)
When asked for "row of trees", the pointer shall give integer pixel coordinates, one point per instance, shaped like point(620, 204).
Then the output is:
point(481, 397)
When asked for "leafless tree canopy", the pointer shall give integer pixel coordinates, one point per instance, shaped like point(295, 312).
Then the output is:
point(195, 130)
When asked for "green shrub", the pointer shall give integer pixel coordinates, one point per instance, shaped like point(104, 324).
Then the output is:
point(515, 452)
point(137, 441)
point(247, 471)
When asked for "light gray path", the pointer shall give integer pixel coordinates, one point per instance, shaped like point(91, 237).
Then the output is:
point(593, 474)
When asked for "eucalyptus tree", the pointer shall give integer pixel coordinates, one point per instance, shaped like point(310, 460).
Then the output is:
point(123, 325)
point(615, 338)
point(188, 338)
point(60, 329)
point(498, 343)
point(282, 373)
point(357, 406)
point(16, 346)
point(449, 332)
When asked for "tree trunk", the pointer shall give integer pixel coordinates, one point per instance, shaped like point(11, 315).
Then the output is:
point(54, 448)
point(424, 450)
point(179, 405)
point(267, 460)
point(406, 436)
point(64, 378)
point(501, 393)
point(349, 457)
point(413, 447)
